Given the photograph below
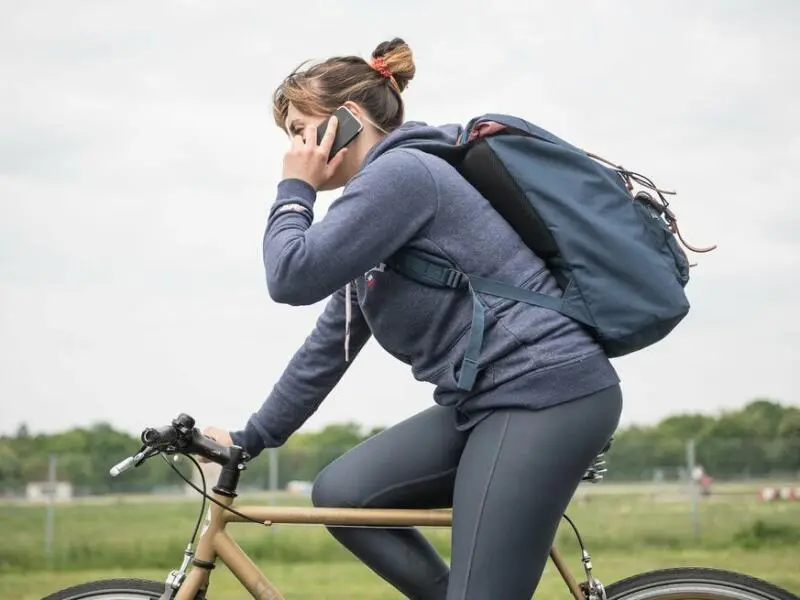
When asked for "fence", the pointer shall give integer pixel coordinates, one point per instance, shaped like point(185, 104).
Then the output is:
point(718, 466)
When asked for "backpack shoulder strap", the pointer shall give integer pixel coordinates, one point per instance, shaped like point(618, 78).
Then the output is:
point(433, 271)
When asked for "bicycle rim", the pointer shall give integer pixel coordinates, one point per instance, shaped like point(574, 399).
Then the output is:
point(695, 584)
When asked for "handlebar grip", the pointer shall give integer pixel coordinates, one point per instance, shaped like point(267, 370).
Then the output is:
point(123, 466)
point(132, 461)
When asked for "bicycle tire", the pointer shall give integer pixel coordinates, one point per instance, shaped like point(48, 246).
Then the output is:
point(111, 589)
point(695, 583)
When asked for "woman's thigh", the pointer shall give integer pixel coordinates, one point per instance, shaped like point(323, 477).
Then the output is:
point(409, 465)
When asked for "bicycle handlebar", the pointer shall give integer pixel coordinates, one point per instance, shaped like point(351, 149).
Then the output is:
point(179, 437)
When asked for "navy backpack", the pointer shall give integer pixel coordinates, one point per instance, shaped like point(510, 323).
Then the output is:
point(614, 254)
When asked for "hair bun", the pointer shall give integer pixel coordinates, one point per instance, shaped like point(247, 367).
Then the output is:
point(398, 58)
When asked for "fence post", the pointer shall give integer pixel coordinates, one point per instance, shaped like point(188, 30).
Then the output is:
point(50, 515)
point(691, 463)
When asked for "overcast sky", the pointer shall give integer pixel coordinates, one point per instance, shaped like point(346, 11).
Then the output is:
point(138, 161)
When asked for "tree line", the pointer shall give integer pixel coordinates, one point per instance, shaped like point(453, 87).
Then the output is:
point(760, 440)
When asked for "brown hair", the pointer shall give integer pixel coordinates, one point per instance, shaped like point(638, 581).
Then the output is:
point(376, 85)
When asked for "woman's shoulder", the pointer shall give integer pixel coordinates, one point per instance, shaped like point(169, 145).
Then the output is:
point(401, 167)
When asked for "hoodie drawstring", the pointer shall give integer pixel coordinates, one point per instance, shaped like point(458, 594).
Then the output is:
point(348, 315)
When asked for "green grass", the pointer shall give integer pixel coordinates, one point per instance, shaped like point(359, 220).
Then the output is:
point(627, 531)
point(96, 535)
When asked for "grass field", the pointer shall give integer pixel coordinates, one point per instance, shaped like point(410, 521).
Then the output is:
point(628, 529)
point(347, 579)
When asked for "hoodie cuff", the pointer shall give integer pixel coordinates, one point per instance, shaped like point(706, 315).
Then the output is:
point(295, 196)
point(253, 439)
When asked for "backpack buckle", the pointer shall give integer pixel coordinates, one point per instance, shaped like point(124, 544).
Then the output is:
point(454, 279)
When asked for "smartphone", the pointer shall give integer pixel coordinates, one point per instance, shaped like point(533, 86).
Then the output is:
point(347, 128)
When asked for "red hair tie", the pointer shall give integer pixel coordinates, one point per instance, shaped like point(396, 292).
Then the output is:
point(379, 64)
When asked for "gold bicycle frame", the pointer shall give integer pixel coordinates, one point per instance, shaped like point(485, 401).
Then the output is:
point(216, 543)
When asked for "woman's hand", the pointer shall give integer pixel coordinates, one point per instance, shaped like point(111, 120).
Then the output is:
point(308, 161)
point(218, 435)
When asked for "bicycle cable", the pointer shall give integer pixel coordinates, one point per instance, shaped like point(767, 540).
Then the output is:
point(203, 504)
point(577, 533)
point(205, 495)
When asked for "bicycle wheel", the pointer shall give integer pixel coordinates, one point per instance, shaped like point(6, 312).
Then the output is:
point(112, 589)
point(693, 583)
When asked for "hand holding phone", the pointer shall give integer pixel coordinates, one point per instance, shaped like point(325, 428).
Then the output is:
point(306, 161)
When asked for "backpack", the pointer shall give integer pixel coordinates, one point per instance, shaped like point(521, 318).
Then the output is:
point(613, 253)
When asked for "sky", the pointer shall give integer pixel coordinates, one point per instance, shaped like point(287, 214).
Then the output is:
point(138, 160)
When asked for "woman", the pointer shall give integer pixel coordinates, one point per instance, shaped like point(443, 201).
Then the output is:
point(507, 455)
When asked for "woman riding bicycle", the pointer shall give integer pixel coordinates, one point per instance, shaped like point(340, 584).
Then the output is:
point(506, 455)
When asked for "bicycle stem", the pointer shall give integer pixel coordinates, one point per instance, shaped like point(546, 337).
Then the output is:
point(228, 480)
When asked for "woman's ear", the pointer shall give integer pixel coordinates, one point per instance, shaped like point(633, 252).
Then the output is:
point(354, 108)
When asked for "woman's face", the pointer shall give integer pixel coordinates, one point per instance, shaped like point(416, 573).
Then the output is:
point(296, 122)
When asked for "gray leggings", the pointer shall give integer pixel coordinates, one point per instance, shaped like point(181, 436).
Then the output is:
point(508, 481)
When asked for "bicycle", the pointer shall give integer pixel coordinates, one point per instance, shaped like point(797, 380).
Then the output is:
point(185, 583)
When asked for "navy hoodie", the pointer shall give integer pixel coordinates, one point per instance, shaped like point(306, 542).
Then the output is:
point(531, 357)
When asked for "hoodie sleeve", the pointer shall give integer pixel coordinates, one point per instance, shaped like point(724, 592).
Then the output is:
point(312, 373)
point(382, 207)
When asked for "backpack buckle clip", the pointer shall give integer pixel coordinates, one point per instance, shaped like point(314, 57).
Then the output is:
point(454, 279)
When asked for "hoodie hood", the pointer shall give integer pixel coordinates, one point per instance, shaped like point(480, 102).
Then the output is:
point(414, 132)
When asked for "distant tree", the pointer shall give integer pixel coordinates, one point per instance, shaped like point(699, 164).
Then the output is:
point(789, 435)
point(761, 438)
point(790, 424)
point(10, 466)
